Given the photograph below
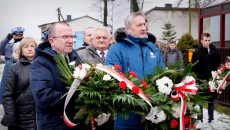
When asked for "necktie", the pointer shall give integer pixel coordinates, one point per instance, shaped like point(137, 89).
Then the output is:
point(102, 56)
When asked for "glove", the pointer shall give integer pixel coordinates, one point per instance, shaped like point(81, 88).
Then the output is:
point(9, 36)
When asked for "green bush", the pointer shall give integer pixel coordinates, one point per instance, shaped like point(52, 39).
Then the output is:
point(186, 42)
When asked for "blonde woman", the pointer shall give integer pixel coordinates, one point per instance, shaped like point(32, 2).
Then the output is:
point(17, 97)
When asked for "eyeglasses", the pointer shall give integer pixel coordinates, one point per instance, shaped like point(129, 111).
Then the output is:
point(66, 37)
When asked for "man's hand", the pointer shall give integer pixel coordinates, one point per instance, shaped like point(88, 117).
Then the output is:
point(9, 36)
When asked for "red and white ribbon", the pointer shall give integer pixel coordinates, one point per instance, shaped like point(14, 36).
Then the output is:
point(83, 72)
point(227, 66)
point(187, 86)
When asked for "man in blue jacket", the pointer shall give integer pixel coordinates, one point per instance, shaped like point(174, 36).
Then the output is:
point(46, 88)
point(135, 54)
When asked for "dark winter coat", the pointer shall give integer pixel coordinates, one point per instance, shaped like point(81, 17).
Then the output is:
point(48, 90)
point(208, 62)
point(6, 67)
point(21, 114)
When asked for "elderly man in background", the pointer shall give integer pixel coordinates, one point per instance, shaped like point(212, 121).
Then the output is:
point(6, 48)
point(96, 52)
point(136, 54)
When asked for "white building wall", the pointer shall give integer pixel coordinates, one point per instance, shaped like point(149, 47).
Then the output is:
point(180, 20)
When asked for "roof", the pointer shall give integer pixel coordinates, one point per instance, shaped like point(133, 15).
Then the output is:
point(74, 20)
point(168, 7)
point(215, 2)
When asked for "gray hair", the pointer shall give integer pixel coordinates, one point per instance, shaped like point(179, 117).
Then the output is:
point(102, 29)
point(129, 19)
point(15, 48)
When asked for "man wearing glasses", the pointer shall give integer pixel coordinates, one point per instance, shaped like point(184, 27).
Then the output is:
point(46, 88)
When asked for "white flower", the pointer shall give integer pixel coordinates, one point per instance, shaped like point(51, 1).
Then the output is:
point(86, 67)
point(76, 73)
point(176, 111)
point(220, 82)
point(102, 118)
point(164, 85)
point(197, 108)
point(72, 63)
point(156, 116)
point(215, 75)
point(106, 77)
point(99, 64)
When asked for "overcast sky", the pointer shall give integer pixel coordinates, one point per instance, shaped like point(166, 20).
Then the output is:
point(32, 13)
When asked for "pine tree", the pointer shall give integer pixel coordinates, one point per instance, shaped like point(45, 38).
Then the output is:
point(169, 34)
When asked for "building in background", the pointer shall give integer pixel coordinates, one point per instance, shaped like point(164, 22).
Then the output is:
point(78, 25)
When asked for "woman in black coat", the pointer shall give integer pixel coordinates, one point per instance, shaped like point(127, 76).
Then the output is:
point(17, 97)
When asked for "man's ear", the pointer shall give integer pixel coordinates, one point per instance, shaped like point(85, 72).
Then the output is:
point(127, 29)
point(51, 41)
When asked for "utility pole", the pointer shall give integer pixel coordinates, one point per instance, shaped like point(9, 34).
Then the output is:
point(60, 15)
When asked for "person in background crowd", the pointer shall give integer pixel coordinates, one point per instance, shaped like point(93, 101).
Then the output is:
point(173, 55)
point(87, 38)
point(18, 101)
point(13, 59)
point(96, 52)
point(209, 60)
point(6, 48)
point(136, 54)
point(47, 89)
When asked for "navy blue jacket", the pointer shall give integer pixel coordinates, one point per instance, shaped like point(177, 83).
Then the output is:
point(134, 55)
point(48, 90)
point(6, 67)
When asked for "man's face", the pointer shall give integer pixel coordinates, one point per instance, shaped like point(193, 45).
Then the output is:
point(18, 36)
point(60, 44)
point(101, 40)
point(88, 36)
point(206, 42)
point(172, 46)
point(138, 27)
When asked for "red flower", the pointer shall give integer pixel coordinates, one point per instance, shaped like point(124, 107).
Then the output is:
point(144, 83)
point(122, 85)
point(192, 125)
point(136, 90)
point(218, 74)
point(228, 78)
point(121, 74)
point(186, 120)
point(117, 67)
point(133, 74)
point(174, 123)
point(220, 67)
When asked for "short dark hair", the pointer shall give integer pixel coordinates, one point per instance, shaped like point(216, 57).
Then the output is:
point(205, 35)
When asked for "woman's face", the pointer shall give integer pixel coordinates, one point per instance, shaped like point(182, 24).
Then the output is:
point(28, 50)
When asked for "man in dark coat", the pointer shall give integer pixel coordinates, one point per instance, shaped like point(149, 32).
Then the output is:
point(209, 60)
point(46, 88)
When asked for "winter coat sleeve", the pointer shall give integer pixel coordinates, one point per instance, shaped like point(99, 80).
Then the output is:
point(165, 58)
point(181, 57)
point(195, 58)
point(9, 92)
point(114, 57)
point(3, 45)
point(42, 86)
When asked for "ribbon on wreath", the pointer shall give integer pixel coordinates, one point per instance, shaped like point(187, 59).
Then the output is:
point(187, 86)
point(222, 83)
point(83, 72)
